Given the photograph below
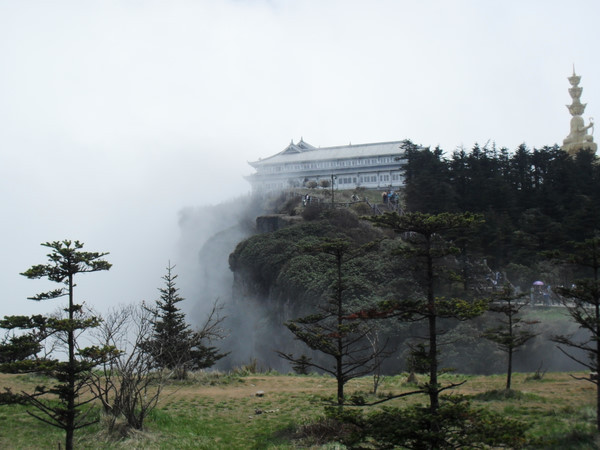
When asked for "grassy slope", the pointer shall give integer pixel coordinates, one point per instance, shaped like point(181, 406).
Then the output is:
point(224, 416)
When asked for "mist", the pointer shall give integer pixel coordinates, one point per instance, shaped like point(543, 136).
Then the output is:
point(208, 236)
point(125, 122)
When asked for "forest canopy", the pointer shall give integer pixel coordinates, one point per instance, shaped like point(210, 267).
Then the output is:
point(532, 200)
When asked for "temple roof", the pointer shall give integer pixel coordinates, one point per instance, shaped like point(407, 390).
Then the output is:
point(302, 151)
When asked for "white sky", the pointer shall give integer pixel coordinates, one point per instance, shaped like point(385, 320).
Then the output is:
point(114, 115)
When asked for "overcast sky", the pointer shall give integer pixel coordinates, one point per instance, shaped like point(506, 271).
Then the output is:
point(115, 115)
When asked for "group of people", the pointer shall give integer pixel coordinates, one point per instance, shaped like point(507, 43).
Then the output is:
point(390, 197)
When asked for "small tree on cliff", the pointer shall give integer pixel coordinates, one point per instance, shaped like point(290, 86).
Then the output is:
point(510, 335)
point(64, 408)
point(336, 329)
point(582, 301)
point(174, 345)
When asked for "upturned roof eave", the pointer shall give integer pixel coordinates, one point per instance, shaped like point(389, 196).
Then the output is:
point(322, 150)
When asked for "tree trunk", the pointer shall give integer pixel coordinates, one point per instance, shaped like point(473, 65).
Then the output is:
point(509, 371)
point(70, 419)
point(340, 381)
point(69, 439)
point(597, 390)
point(597, 314)
point(434, 394)
point(340, 391)
point(510, 346)
point(434, 401)
point(340, 341)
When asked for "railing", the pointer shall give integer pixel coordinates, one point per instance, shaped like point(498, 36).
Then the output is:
point(311, 200)
point(375, 208)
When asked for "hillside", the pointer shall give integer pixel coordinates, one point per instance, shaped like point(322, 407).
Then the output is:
point(275, 281)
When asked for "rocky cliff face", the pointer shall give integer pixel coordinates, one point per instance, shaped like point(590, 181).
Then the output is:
point(209, 236)
point(273, 222)
point(274, 281)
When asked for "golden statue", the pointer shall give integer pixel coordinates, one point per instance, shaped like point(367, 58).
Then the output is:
point(578, 138)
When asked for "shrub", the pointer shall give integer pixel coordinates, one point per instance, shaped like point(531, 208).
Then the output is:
point(456, 424)
point(362, 209)
point(311, 212)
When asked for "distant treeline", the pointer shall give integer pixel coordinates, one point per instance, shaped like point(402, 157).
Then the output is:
point(532, 200)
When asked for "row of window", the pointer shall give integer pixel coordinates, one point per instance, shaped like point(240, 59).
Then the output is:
point(328, 164)
point(371, 178)
point(363, 179)
point(344, 181)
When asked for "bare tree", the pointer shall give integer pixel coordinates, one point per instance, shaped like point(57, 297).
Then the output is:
point(128, 386)
point(373, 336)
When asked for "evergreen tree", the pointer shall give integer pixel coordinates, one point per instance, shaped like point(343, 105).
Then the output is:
point(532, 200)
point(509, 335)
point(426, 248)
point(60, 404)
point(582, 301)
point(174, 345)
point(427, 181)
point(337, 329)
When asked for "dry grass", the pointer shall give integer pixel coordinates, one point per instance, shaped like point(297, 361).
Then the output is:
point(210, 414)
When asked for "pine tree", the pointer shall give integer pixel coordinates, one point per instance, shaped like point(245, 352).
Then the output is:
point(427, 180)
point(174, 345)
point(582, 301)
point(427, 248)
point(510, 334)
point(20, 354)
point(336, 329)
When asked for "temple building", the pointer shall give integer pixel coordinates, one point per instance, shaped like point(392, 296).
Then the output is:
point(373, 166)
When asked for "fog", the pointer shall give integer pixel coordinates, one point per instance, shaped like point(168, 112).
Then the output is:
point(123, 122)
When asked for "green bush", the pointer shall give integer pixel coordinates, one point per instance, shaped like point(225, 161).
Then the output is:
point(455, 425)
